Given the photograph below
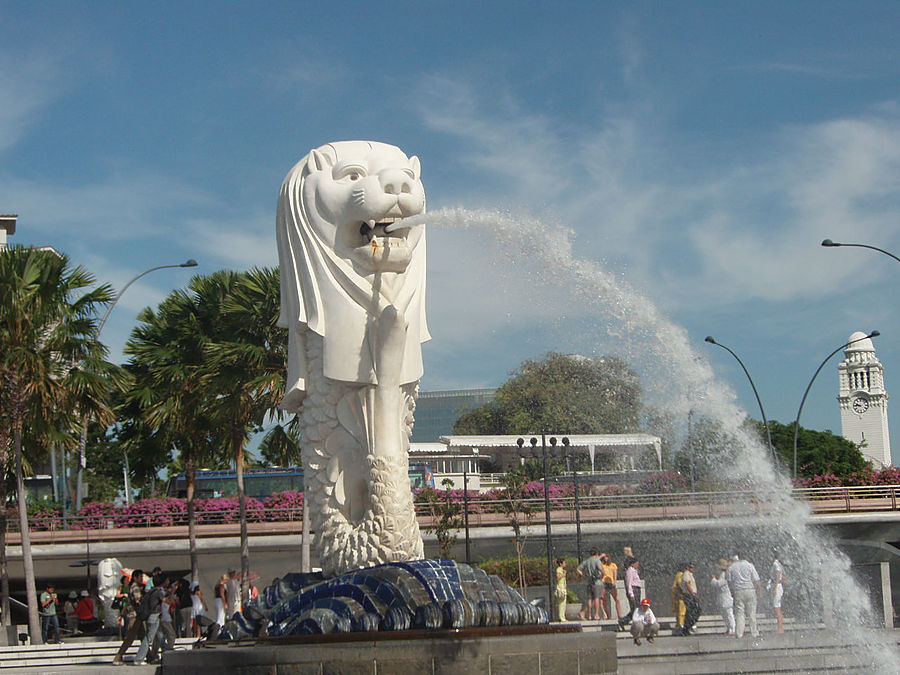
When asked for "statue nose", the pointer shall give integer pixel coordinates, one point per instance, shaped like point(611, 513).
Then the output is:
point(395, 182)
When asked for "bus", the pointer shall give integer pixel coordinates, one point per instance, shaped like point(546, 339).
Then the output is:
point(260, 483)
point(420, 476)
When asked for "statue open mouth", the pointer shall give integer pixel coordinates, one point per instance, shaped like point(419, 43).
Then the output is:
point(388, 228)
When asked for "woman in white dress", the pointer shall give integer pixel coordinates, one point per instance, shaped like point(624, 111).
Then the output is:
point(723, 595)
point(219, 602)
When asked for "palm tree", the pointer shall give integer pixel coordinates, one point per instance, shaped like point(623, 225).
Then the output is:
point(281, 444)
point(166, 363)
point(45, 327)
point(245, 371)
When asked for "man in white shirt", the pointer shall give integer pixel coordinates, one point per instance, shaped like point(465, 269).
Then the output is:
point(644, 623)
point(743, 580)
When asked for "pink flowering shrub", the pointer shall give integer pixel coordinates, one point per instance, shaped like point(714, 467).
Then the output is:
point(287, 505)
point(41, 516)
point(663, 482)
point(612, 491)
point(95, 515)
point(227, 510)
point(155, 511)
point(889, 475)
point(824, 480)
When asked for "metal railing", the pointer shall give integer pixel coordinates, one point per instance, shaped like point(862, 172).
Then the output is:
point(485, 512)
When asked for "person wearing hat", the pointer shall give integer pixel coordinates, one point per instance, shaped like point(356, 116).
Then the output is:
point(644, 623)
point(691, 599)
point(723, 595)
point(69, 610)
point(87, 619)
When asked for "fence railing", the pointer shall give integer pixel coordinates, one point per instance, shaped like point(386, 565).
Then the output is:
point(484, 512)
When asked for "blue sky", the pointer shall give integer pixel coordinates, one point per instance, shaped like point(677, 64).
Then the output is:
point(700, 151)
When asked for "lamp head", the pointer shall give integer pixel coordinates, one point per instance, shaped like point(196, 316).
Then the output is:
point(553, 441)
point(533, 441)
point(827, 243)
point(710, 339)
point(189, 263)
point(520, 442)
point(874, 333)
point(565, 441)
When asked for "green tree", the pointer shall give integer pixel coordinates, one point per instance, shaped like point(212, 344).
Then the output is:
point(706, 447)
point(818, 452)
point(169, 397)
point(281, 444)
point(244, 371)
point(571, 394)
point(47, 325)
point(446, 516)
point(520, 513)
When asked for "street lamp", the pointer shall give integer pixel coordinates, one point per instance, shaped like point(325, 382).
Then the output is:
point(570, 453)
point(827, 243)
point(466, 503)
point(521, 442)
point(874, 333)
point(82, 462)
point(712, 341)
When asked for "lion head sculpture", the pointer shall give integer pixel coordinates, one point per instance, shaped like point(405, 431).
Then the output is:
point(346, 254)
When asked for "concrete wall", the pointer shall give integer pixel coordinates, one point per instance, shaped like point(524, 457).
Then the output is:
point(571, 653)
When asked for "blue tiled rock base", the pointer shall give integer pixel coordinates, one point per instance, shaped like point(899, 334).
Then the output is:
point(420, 594)
point(440, 653)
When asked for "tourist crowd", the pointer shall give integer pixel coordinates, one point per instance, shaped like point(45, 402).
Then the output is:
point(153, 608)
point(736, 585)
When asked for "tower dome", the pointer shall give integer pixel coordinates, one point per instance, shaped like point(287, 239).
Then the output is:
point(864, 344)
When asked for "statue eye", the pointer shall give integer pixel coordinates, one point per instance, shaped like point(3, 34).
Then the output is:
point(352, 173)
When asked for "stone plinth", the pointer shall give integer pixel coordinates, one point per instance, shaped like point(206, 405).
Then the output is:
point(515, 650)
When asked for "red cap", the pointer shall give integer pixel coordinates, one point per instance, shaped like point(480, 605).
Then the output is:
point(645, 602)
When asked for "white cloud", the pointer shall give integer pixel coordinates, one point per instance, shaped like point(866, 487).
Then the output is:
point(837, 179)
point(241, 243)
point(745, 230)
point(26, 85)
point(126, 205)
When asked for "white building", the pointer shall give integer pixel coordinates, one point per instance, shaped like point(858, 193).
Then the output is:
point(863, 400)
point(7, 227)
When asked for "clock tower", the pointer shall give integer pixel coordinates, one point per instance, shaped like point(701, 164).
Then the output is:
point(863, 401)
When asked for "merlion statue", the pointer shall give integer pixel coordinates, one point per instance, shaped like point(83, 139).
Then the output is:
point(109, 574)
point(352, 257)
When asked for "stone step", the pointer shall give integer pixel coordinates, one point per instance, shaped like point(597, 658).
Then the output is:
point(800, 651)
point(83, 652)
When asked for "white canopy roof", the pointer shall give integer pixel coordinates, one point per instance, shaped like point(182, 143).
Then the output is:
point(628, 444)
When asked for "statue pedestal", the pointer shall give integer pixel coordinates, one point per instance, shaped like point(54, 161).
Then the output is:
point(555, 649)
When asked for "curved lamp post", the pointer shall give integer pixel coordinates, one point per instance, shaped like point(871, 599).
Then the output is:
point(712, 341)
point(82, 463)
point(827, 243)
point(874, 333)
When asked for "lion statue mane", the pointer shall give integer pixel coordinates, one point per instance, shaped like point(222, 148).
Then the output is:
point(351, 244)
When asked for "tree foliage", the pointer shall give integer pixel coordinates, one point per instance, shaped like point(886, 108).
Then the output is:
point(48, 318)
point(565, 393)
point(818, 452)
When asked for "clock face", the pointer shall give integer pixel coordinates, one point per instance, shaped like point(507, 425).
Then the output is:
point(860, 405)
